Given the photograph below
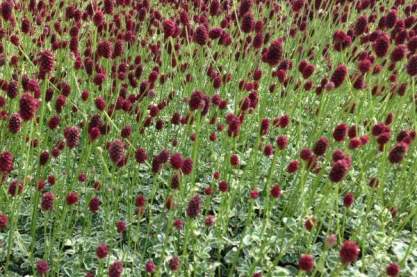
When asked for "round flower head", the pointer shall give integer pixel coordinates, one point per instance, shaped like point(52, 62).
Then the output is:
point(321, 146)
point(276, 191)
point(121, 226)
point(15, 123)
point(72, 136)
point(47, 201)
point(72, 198)
point(4, 221)
point(42, 267)
point(102, 250)
point(396, 155)
point(141, 156)
point(194, 207)
point(201, 35)
point(176, 161)
point(187, 166)
point(293, 166)
point(150, 266)
point(349, 252)
point(245, 6)
point(381, 45)
point(6, 9)
point(170, 27)
point(28, 106)
point(273, 54)
point(116, 151)
point(361, 24)
point(282, 142)
point(393, 270)
point(46, 62)
point(234, 160)
point(348, 200)
point(6, 162)
point(338, 171)
point(94, 204)
point(340, 132)
point(339, 75)
point(116, 269)
point(306, 263)
point(15, 188)
point(411, 67)
point(248, 23)
point(174, 263)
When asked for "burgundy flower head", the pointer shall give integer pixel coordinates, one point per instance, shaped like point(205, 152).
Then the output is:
point(116, 269)
point(42, 267)
point(28, 106)
point(339, 75)
point(6, 162)
point(201, 35)
point(47, 201)
point(273, 54)
point(150, 266)
point(102, 250)
point(174, 263)
point(194, 207)
point(116, 151)
point(393, 270)
point(46, 62)
point(321, 146)
point(306, 263)
point(4, 221)
point(349, 252)
point(72, 136)
point(339, 170)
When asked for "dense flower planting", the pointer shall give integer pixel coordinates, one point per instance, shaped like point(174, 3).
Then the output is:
point(208, 138)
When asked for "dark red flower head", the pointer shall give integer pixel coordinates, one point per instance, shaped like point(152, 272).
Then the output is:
point(116, 151)
point(176, 161)
point(396, 155)
point(42, 267)
point(94, 204)
point(6, 9)
point(150, 266)
point(174, 263)
point(4, 221)
point(393, 270)
point(6, 162)
point(306, 263)
point(381, 45)
point(72, 136)
point(273, 54)
point(116, 269)
point(201, 35)
point(46, 62)
point(348, 200)
point(339, 75)
point(321, 146)
point(72, 198)
point(102, 250)
point(349, 252)
point(194, 207)
point(141, 156)
point(47, 202)
point(282, 142)
point(340, 132)
point(28, 106)
point(411, 67)
point(339, 170)
point(276, 191)
point(170, 27)
point(187, 166)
